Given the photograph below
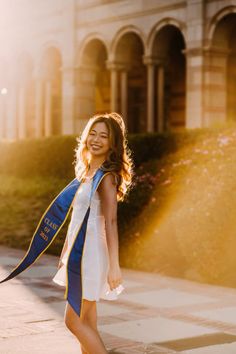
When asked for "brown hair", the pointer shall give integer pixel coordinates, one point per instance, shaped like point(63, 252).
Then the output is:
point(118, 161)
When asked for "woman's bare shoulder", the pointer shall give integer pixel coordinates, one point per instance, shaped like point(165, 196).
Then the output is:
point(108, 181)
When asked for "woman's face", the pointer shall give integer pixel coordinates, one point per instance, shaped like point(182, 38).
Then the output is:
point(98, 139)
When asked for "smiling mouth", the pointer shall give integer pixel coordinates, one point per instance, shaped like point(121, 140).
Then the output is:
point(96, 146)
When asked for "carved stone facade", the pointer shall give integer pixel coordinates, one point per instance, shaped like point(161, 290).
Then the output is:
point(164, 65)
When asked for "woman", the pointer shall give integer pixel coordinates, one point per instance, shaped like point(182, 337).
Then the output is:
point(102, 145)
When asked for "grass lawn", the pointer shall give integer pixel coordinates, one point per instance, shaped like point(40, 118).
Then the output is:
point(22, 203)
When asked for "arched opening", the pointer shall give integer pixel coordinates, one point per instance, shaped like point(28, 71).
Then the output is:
point(132, 90)
point(224, 41)
point(170, 90)
point(51, 73)
point(93, 80)
point(25, 97)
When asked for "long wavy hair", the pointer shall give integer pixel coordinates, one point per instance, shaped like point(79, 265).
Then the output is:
point(118, 161)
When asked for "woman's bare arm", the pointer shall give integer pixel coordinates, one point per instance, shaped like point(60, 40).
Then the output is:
point(108, 195)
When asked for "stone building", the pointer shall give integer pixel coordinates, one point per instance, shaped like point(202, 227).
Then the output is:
point(163, 64)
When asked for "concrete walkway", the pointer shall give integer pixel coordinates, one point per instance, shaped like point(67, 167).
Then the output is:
point(154, 314)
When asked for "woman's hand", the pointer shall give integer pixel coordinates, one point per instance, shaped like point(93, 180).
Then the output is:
point(114, 277)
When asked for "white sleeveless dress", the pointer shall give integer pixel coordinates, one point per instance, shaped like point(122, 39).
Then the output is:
point(95, 260)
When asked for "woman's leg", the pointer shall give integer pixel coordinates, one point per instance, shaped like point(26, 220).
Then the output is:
point(89, 316)
point(85, 327)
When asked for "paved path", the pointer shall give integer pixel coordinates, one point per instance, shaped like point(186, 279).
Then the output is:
point(154, 314)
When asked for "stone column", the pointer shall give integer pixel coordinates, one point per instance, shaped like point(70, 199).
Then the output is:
point(48, 109)
point(206, 86)
point(150, 63)
point(119, 87)
point(231, 86)
point(38, 107)
point(160, 96)
point(112, 66)
point(215, 86)
point(114, 90)
point(86, 94)
point(22, 113)
point(68, 99)
point(194, 88)
point(155, 92)
point(69, 89)
point(124, 94)
point(195, 17)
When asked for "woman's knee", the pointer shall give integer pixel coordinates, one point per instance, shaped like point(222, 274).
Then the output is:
point(88, 317)
point(71, 324)
point(89, 313)
point(72, 321)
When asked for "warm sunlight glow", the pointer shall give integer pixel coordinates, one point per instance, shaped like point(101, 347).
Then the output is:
point(4, 91)
point(188, 228)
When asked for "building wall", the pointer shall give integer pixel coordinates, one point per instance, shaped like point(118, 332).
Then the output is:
point(164, 65)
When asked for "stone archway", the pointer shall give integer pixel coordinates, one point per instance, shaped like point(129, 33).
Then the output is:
point(51, 92)
point(224, 47)
point(93, 80)
point(170, 83)
point(132, 82)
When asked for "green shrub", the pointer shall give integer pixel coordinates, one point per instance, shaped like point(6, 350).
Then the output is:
point(54, 156)
point(38, 157)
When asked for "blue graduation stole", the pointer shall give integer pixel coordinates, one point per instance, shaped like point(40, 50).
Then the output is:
point(48, 228)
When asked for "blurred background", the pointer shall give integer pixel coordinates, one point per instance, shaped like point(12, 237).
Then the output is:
point(165, 65)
